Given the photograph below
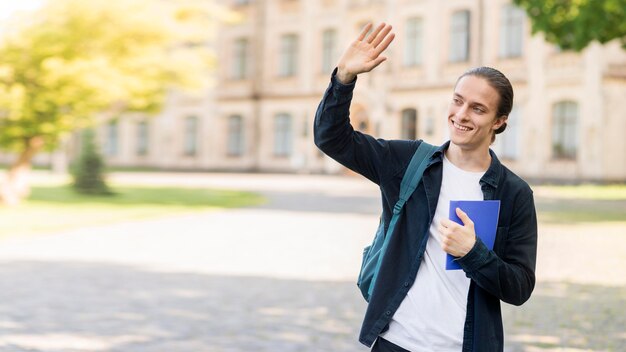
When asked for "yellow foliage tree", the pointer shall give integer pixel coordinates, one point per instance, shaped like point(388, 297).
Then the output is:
point(72, 59)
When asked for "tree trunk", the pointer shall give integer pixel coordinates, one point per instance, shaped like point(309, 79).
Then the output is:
point(15, 186)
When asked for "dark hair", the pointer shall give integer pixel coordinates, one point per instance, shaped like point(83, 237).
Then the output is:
point(498, 81)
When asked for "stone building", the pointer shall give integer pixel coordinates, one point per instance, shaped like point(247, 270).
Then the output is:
point(274, 65)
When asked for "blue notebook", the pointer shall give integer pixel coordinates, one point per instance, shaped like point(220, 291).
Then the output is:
point(484, 214)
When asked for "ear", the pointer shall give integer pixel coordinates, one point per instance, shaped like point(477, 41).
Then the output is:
point(499, 121)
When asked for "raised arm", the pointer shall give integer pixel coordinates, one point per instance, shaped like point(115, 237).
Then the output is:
point(364, 54)
point(333, 133)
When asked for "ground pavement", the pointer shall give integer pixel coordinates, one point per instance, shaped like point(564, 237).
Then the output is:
point(278, 277)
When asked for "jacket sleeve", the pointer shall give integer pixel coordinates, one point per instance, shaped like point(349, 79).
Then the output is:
point(510, 276)
point(335, 136)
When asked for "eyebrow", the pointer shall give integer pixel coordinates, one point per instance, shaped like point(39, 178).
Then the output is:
point(473, 103)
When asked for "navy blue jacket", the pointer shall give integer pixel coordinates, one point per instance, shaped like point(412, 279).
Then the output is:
point(506, 273)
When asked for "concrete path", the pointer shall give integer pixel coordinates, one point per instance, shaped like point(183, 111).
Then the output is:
point(279, 277)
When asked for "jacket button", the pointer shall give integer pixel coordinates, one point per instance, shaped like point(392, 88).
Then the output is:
point(388, 312)
point(406, 284)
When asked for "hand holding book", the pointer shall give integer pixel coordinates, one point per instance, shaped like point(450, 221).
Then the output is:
point(475, 219)
point(457, 239)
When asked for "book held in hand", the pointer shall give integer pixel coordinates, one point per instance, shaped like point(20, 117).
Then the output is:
point(484, 214)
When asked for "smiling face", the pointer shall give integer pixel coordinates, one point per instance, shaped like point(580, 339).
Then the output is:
point(472, 114)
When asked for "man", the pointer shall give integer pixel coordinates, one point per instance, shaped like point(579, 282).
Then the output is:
point(416, 304)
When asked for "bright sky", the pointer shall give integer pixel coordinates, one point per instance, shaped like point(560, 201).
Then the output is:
point(8, 7)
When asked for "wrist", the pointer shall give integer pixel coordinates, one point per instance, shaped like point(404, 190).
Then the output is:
point(469, 247)
point(344, 77)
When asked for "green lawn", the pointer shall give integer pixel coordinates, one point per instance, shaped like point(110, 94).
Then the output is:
point(578, 204)
point(585, 191)
point(54, 208)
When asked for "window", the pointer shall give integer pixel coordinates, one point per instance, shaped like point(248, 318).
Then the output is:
point(282, 135)
point(430, 126)
point(235, 135)
point(507, 143)
point(511, 31)
point(288, 55)
point(414, 38)
point(240, 59)
point(565, 130)
point(329, 48)
point(142, 138)
point(112, 138)
point(460, 36)
point(409, 124)
point(191, 136)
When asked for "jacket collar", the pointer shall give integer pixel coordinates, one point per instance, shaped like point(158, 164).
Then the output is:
point(491, 176)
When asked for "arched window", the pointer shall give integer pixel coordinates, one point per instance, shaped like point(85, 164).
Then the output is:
point(409, 124)
point(565, 130)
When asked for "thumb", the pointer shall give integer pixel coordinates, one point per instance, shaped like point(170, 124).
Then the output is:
point(463, 216)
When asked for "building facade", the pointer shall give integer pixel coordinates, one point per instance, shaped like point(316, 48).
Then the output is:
point(565, 125)
point(274, 65)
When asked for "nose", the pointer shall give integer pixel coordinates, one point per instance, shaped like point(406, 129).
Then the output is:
point(461, 112)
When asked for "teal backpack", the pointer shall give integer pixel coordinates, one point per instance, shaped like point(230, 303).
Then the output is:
point(373, 254)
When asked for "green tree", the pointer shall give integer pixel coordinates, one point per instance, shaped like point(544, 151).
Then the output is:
point(574, 24)
point(88, 172)
point(73, 60)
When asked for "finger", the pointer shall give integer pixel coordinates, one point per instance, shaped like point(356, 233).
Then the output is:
point(447, 223)
point(446, 243)
point(372, 64)
point(364, 31)
point(384, 44)
point(382, 35)
point(463, 216)
point(373, 35)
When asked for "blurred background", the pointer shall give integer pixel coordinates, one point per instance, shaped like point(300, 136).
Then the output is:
point(161, 189)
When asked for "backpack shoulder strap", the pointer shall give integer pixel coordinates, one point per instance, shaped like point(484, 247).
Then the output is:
point(413, 173)
point(411, 178)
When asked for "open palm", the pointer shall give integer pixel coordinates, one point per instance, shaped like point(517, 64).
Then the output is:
point(363, 55)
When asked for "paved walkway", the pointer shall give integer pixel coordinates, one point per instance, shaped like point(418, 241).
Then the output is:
point(279, 277)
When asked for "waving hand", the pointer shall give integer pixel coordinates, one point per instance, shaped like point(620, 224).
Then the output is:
point(363, 54)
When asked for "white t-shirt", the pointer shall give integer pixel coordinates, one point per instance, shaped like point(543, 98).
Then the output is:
point(432, 315)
